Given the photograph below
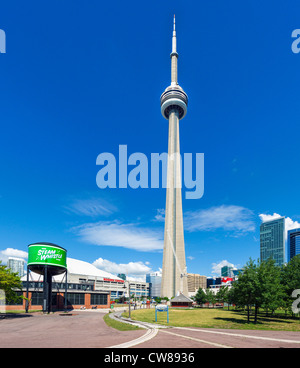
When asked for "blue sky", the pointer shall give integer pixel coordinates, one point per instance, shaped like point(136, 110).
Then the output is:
point(79, 79)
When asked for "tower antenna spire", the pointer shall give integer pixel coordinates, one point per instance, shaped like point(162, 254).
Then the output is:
point(173, 104)
point(174, 57)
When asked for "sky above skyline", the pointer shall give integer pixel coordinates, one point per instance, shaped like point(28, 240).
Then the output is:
point(79, 79)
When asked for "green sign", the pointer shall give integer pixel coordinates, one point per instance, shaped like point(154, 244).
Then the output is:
point(44, 254)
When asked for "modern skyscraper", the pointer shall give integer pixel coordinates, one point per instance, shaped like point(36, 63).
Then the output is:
point(16, 265)
point(293, 243)
point(272, 240)
point(154, 280)
point(227, 271)
point(173, 108)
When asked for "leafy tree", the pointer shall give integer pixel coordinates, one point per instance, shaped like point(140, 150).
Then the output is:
point(230, 297)
point(9, 283)
point(270, 288)
point(200, 297)
point(246, 288)
point(210, 297)
point(290, 281)
point(222, 294)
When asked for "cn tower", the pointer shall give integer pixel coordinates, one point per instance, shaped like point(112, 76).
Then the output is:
point(173, 103)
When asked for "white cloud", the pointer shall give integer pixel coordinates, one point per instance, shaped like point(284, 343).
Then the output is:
point(266, 218)
point(131, 268)
point(236, 219)
point(90, 207)
point(12, 252)
point(116, 234)
point(216, 267)
point(190, 257)
point(160, 215)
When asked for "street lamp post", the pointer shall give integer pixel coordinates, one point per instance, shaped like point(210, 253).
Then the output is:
point(129, 300)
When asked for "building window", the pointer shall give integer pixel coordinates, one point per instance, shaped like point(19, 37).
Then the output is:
point(76, 299)
point(99, 299)
point(37, 298)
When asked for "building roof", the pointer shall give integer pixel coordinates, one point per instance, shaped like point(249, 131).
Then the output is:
point(77, 267)
point(181, 299)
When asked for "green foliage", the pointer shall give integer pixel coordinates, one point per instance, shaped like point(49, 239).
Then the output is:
point(290, 281)
point(265, 285)
point(222, 294)
point(10, 282)
point(200, 297)
point(210, 297)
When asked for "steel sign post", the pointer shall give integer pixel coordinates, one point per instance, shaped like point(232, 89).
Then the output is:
point(162, 308)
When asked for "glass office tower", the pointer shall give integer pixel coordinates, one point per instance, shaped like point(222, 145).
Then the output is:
point(154, 280)
point(16, 265)
point(293, 243)
point(272, 240)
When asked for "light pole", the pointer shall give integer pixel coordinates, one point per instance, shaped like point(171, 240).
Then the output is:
point(129, 300)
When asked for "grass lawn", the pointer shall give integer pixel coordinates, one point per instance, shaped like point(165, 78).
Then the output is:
point(216, 318)
point(119, 325)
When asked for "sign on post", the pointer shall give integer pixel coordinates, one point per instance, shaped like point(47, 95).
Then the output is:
point(162, 308)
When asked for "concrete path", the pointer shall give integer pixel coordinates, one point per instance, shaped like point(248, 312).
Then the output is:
point(185, 337)
point(86, 329)
point(77, 329)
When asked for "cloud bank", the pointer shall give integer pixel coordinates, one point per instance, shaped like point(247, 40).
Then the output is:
point(135, 269)
point(236, 219)
point(12, 252)
point(116, 234)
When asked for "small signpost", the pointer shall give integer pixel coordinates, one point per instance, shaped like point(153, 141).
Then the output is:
point(162, 308)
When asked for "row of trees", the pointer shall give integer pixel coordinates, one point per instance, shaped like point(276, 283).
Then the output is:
point(261, 285)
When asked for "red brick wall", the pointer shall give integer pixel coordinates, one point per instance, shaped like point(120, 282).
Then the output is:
point(59, 304)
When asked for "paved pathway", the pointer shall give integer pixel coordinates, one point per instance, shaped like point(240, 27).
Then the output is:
point(81, 329)
point(75, 330)
point(185, 337)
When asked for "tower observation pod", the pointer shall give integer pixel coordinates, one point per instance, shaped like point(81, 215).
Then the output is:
point(173, 104)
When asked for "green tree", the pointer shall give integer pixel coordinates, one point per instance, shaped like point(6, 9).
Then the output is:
point(210, 297)
point(270, 289)
point(221, 296)
point(230, 297)
point(10, 282)
point(290, 281)
point(200, 297)
point(246, 288)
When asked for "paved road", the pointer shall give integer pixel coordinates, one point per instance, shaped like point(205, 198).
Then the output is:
point(78, 330)
point(87, 329)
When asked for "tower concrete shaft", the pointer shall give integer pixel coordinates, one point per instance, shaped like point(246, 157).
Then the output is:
point(173, 107)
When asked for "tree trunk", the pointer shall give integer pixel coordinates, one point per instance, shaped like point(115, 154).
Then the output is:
point(255, 317)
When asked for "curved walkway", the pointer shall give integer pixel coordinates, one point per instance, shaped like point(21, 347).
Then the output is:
point(82, 329)
point(186, 337)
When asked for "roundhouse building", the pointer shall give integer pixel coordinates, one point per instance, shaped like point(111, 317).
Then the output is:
point(87, 287)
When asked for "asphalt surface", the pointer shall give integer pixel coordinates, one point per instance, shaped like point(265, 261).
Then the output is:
point(76, 330)
point(84, 329)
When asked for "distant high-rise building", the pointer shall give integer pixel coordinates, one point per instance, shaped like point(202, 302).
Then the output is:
point(293, 243)
point(154, 280)
point(272, 240)
point(16, 265)
point(195, 282)
point(122, 276)
point(227, 271)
